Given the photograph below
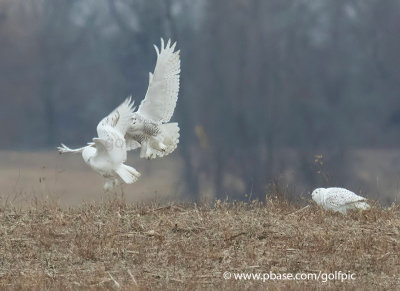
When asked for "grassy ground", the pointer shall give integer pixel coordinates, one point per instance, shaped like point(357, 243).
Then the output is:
point(112, 245)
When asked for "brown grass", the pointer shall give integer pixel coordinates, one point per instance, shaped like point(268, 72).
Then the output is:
point(189, 246)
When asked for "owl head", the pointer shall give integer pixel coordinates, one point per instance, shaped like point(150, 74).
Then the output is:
point(317, 195)
point(136, 119)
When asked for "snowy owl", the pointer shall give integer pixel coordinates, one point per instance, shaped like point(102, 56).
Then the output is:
point(338, 199)
point(107, 153)
point(150, 129)
point(147, 128)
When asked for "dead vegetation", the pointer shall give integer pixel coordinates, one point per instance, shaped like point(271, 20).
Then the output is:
point(115, 245)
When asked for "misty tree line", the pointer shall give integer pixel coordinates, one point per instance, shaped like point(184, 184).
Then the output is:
point(264, 83)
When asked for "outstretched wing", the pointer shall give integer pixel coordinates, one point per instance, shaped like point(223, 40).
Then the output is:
point(120, 119)
point(162, 93)
point(64, 149)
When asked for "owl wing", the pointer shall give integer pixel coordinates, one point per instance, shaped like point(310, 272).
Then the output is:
point(64, 149)
point(119, 119)
point(342, 197)
point(102, 147)
point(111, 131)
point(161, 96)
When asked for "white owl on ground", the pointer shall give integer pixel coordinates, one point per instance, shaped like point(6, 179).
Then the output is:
point(339, 199)
point(147, 128)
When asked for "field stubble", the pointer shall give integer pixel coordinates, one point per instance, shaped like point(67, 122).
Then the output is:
point(114, 244)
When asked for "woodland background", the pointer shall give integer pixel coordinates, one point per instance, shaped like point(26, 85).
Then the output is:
point(286, 94)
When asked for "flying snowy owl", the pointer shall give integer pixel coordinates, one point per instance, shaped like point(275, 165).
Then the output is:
point(338, 199)
point(147, 128)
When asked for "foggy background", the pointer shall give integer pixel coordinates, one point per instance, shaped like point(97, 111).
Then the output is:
point(289, 95)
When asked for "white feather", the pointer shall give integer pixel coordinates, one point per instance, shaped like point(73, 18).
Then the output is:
point(162, 93)
point(163, 144)
point(124, 130)
point(338, 199)
point(148, 129)
point(107, 154)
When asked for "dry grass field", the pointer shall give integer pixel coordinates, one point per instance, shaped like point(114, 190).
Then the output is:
point(59, 230)
point(114, 245)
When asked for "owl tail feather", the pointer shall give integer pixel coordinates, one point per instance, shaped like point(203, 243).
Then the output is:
point(128, 174)
point(163, 144)
point(362, 205)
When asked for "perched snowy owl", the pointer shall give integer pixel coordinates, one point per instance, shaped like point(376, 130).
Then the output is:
point(123, 129)
point(338, 199)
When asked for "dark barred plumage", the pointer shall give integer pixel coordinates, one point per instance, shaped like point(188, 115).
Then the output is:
point(139, 137)
point(150, 128)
